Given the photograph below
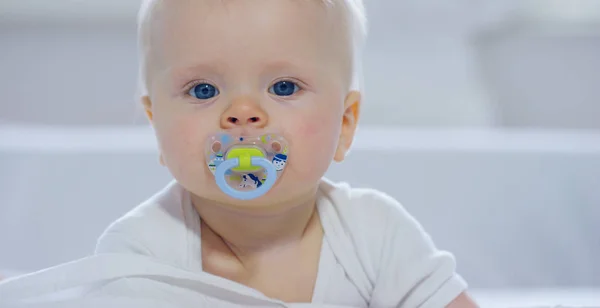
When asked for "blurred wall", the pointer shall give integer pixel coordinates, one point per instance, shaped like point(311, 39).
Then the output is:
point(428, 63)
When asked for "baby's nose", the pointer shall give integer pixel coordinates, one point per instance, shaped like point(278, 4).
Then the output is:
point(244, 112)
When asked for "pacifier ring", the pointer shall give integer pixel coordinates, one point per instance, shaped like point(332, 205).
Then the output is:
point(246, 167)
point(246, 195)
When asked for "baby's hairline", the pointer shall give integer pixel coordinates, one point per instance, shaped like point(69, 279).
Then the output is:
point(354, 17)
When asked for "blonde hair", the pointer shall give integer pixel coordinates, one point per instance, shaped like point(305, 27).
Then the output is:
point(355, 22)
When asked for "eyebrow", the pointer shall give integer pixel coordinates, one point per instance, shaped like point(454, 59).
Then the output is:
point(286, 64)
point(183, 71)
point(181, 75)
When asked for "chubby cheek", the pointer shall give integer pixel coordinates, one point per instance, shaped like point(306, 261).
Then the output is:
point(315, 140)
point(181, 145)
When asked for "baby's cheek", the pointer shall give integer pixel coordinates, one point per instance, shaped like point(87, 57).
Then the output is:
point(309, 129)
point(173, 136)
point(315, 126)
point(180, 143)
point(314, 143)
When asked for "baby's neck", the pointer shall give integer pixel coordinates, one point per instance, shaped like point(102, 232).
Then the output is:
point(249, 232)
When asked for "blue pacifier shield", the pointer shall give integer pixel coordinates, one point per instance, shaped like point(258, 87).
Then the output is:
point(246, 167)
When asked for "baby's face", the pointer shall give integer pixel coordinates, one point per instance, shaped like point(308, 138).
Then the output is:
point(250, 67)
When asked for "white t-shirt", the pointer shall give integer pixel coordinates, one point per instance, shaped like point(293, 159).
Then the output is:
point(374, 254)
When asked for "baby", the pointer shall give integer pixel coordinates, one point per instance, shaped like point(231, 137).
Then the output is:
point(287, 68)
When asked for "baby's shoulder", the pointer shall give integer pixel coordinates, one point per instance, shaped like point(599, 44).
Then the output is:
point(146, 229)
point(365, 207)
point(376, 223)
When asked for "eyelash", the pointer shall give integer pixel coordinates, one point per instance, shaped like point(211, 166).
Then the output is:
point(301, 85)
point(192, 84)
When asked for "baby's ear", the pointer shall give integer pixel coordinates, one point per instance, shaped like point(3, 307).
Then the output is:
point(349, 124)
point(147, 103)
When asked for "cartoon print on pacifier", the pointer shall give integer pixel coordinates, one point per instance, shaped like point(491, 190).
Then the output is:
point(250, 180)
point(215, 162)
point(279, 161)
point(246, 167)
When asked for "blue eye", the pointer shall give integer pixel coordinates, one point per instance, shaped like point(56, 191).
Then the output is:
point(284, 88)
point(204, 91)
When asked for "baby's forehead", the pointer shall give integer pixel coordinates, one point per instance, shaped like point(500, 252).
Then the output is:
point(156, 17)
point(170, 28)
point(153, 12)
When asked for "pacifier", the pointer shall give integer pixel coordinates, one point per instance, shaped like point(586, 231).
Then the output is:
point(246, 167)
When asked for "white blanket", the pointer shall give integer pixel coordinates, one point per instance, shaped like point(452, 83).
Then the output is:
point(64, 286)
point(125, 280)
